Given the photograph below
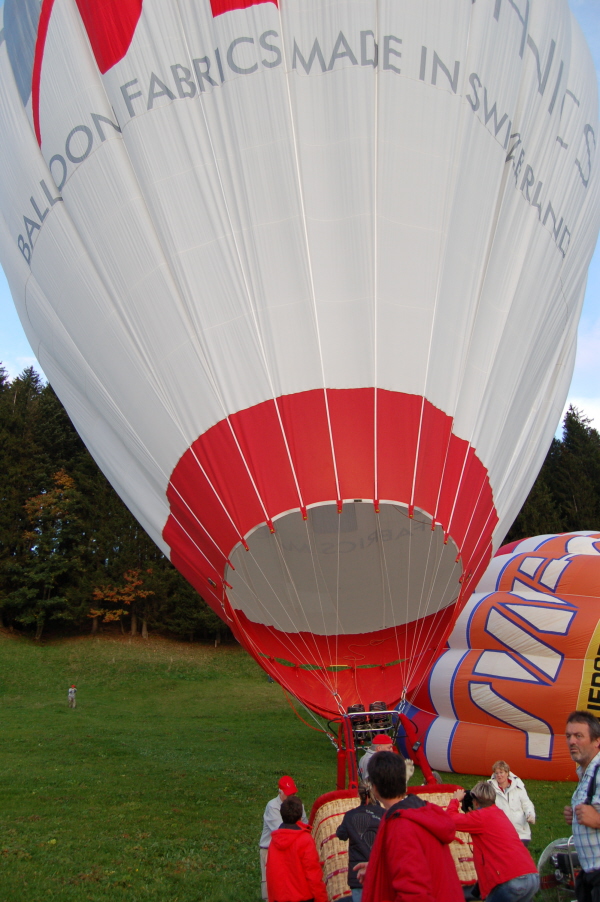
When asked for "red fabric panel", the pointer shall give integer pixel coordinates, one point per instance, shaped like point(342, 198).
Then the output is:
point(478, 538)
point(398, 419)
point(183, 527)
point(352, 414)
point(433, 444)
point(476, 566)
point(224, 6)
point(506, 549)
point(304, 419)
point(473, 505)
point(198, 576)
point(379, 648)
point(217, 452)
point(110, 25)
point(357, 684)
point(197, 569)
point(457, 451)
point(190, 489)
point(259, 433)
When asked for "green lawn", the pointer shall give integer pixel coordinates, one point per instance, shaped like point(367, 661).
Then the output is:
point(154, 787)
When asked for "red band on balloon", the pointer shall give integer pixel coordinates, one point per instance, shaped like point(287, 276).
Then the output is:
point(243, 467)
point(224, 6)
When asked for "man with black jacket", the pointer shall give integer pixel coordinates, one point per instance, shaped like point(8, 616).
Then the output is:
point(359, 826)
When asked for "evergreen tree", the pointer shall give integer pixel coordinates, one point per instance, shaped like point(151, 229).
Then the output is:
point(64, 532)
point(566, 495)
point(575, 473)
point(24, 472)
point(48, 570)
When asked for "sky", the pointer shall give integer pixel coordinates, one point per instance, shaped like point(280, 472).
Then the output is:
point(16, 354)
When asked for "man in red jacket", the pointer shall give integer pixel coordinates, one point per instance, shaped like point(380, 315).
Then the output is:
point(410, 860)
point(293, 868)
point(505, 869)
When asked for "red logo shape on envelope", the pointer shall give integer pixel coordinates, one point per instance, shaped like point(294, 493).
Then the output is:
point(224, 6)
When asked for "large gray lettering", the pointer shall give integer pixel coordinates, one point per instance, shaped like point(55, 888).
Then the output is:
point(270, 48)
point(588, 133)
point(127, 97)
point(523, 18)
point(60, 183)
point(492, 113)
point(338, 54)
point(315, 52)
point(97, 119)
point(474, 102)
point(183, 76)
point(240, 70)
point(364, 59)
point(438, 64)
point(90, 143)
point(157, 88)
point(542, 79)
point(570, 94)
point(201, 76)
point(389, 51)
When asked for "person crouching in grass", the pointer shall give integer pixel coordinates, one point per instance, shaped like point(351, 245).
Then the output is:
point(294, 871)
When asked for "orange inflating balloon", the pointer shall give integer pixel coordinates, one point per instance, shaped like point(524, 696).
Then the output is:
point(523, 654)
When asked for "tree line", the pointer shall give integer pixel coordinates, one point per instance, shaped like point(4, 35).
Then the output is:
point(566, 494)
point(73, 558)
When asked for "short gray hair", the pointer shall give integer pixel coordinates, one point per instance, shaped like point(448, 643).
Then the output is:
point(485, 793)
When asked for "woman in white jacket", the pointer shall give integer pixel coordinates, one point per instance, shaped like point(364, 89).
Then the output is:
point(512, 798)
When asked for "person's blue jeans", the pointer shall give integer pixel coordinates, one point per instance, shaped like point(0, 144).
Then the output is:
point(519, 889)
point(357, 895)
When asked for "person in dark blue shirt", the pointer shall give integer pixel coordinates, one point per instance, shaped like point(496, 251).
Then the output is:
point(359, 827)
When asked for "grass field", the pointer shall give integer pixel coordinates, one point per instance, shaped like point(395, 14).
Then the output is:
point(153, 788)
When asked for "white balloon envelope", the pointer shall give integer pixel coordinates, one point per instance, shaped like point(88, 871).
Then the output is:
point(307, 279)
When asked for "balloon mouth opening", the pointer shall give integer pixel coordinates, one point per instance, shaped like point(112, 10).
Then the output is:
point(354, 571)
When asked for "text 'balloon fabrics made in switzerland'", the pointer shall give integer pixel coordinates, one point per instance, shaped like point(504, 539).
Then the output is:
point(307, 279)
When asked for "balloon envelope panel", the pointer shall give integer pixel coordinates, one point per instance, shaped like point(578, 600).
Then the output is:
point(284, 260)
point(522, 655)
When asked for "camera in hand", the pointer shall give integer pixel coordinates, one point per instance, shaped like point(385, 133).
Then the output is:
point(467, 802)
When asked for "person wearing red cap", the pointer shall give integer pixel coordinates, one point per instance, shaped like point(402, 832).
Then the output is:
point(381, 743)
point(294, 872)
point(271, 821)
point(71, 696)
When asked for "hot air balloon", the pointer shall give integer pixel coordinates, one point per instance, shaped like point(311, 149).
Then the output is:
point(523, 654)
point(307, 279)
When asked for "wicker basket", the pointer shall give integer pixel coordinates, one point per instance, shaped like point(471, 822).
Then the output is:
point(327, 814)
point(326, 817)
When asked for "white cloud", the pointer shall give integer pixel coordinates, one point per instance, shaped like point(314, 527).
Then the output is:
point(15, 366)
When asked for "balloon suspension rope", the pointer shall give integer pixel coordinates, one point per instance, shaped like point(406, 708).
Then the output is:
point(299, 716)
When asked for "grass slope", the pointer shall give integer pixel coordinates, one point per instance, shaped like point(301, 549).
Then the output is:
point(153, 788)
